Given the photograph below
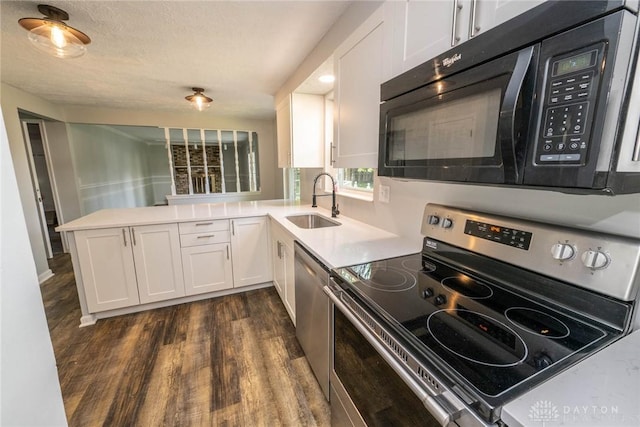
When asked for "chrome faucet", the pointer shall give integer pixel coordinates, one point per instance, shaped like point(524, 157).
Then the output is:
point(334, 206)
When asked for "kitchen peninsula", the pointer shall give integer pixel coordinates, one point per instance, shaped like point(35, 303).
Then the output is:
point(116, 252)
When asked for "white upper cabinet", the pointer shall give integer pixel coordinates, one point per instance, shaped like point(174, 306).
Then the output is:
point(300, 127)
point(424, 29)
point(361, 64)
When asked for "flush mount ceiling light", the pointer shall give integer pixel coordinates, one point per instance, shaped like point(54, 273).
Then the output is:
point(199, 100)
point(53, 36)
point(327, 78)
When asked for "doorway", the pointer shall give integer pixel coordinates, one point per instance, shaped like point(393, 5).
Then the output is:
point(43, 185)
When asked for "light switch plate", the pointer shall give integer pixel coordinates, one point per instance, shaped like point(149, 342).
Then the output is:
point(383, 193)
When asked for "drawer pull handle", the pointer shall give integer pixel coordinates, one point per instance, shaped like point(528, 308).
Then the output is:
point(206, 236)
point(124, 237)
point(203, 223)
point(133, 236)
point(227, 251)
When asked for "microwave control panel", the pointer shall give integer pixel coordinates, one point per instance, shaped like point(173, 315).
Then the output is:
point(571, 90)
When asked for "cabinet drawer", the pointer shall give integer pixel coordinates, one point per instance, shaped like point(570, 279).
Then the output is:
point(208, 238)
point(203, 226)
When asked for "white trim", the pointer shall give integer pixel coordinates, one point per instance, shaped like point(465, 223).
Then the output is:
point(88, 320)
point(85, 320)
point(43, 277)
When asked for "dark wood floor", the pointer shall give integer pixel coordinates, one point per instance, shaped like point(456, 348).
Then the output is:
point(228, 361)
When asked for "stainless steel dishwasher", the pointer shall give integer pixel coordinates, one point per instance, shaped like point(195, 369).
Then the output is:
point(312, 313)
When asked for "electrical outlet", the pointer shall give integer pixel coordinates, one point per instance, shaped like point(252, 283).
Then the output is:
point(383, 193)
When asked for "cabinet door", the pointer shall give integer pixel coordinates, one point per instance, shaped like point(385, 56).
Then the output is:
point(283, 267)
point(278, 265)
point(250, 252)
point(423, 30)
point(207, 268)
point(307, 124)
point(360, 69)
point(490, 13)
point(107, 268)
point(283, 129)
point(289, 278)
point(156, 250)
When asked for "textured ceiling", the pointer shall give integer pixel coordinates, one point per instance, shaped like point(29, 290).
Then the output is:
point(148, 54)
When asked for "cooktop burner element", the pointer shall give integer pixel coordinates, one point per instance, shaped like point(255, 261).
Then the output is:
point(414, 265)
point(466, 286)
point(537, 322)
point(452, 330)
point(385, 278)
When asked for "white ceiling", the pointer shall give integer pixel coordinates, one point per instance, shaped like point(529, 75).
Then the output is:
point(148, 54)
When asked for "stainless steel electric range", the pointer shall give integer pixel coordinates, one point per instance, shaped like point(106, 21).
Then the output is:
point(490, 308)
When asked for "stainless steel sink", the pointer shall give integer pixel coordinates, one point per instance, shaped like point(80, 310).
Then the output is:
point(312, 221)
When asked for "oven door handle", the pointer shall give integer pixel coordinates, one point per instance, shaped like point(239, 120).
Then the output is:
point(440, 413)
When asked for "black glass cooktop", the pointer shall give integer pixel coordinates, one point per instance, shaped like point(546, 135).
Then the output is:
point(490, 336)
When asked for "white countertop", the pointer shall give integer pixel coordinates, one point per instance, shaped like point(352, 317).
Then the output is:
point(353, 242)
point(603, 390)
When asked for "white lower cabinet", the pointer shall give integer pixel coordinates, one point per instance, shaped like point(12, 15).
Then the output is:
point(126, 266)
point(206, 256)
point(156, 252)
point(283, 267)
point(250, 252)
point(207, 268)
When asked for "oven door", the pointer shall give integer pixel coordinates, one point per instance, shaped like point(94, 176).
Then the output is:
point(369, 387)
point(471, 126)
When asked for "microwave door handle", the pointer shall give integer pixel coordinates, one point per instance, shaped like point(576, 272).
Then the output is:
point(508, 113)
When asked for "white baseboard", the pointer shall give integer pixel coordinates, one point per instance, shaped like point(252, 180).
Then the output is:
point(42, 277)
point(88, 320)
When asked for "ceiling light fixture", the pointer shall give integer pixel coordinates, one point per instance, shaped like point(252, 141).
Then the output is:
point(52, 35)
point(199, 100)
point(327, 78)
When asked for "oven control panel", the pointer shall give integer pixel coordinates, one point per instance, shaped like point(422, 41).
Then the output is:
point(603, 263)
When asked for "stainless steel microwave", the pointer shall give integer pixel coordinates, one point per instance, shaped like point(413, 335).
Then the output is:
point(549, 99)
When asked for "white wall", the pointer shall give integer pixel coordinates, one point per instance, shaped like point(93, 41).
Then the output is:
point(11, 100)
point(29, 388)
point(402, 215)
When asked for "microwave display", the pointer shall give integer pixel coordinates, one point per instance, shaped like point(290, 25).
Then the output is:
point(575, 63)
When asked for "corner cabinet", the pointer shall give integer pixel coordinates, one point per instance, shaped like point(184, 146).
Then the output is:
point(250, 252)
point(426, 29)
point(300, 129)
point(361, 65)
point(126, 266)
point(283, 267)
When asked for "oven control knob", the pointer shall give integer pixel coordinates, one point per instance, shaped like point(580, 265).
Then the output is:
point(542, 361)
point(440, 300)
point(428, 292)
point(433, 219)
point(447, 223)
point(562, 251)
point(595, 260)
